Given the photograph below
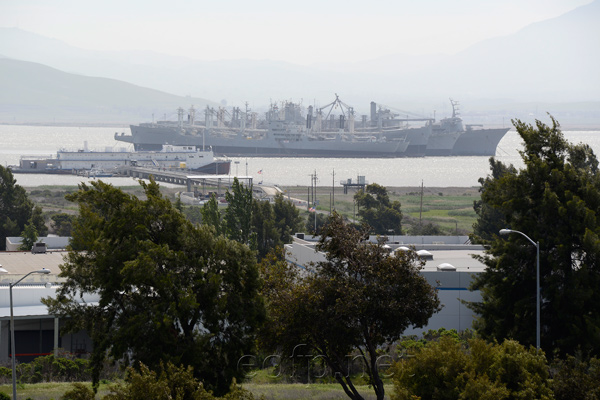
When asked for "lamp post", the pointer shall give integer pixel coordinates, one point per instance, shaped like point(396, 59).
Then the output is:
point(537, 292)
point(12, 328)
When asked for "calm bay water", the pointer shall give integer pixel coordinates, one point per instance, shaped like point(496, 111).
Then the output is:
point(17, 141)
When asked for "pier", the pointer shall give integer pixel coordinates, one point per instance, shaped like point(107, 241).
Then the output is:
point(191, 181)
point(360, 183)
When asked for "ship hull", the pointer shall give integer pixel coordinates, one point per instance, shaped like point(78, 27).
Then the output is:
point(417, 139)
point(441, 144)
point(479, 142)
point(147, 138)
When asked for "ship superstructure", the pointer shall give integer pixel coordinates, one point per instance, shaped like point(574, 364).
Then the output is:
point(291, 130)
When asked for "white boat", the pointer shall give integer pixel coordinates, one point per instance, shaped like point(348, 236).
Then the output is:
point(101, 163)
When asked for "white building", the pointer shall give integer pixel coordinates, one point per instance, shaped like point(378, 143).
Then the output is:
point(449, 267)
point(36, 331)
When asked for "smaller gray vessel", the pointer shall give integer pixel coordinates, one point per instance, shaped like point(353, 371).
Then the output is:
point(448, 137)
point(472, 141)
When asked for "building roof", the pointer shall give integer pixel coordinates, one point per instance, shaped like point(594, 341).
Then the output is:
point(461, 259)
point(28, 293)
point(52, 242)
point(18, 263)
point(459, 256)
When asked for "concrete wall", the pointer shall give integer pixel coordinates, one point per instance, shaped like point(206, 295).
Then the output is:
point(452, 289)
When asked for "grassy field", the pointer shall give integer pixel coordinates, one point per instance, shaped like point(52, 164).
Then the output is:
point(449, 208)
point(46, 391)
point(274, 391)
point(313, 391)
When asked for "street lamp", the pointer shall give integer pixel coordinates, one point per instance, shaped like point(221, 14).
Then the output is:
point(537, 246)
point(12, 328)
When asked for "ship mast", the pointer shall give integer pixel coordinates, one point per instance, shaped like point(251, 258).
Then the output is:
point(455, 108)
point(180, 112)
point(192, 115)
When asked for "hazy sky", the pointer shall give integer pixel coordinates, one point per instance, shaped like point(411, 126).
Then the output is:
point(301, 32)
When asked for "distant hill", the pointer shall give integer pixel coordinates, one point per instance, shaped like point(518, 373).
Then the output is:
point(33, 92)
point(548, 66)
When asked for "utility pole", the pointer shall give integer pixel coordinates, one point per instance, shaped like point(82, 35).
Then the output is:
point(314, 185)
point(421, 209)
point(333, 190)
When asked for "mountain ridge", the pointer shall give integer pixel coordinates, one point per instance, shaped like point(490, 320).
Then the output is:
point(547, 62)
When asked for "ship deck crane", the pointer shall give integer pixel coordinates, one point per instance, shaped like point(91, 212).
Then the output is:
point(345, 108)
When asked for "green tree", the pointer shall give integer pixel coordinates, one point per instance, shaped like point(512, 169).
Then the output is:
point(287, 218)
point(62, 224)
point(237, 222)
point(554, 199)
point(16, 209)
point(376, 210)
point(29, 236)
point(211, 215)
point(425, 229)
point(168, 290)
point(257, 223)
point(321, 220)
point(264, 228)
point(359, 299)
point(489, 218)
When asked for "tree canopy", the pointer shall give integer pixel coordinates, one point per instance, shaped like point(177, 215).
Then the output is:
point(169, 291)
point(17, 210)
point(377, 210)
point(555, 200)
point(357, 300)
point(255, 222)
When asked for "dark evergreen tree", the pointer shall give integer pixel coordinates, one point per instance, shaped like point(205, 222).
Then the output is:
point(16, 209)
point(237, 222)
point(287, 218)
point(29, 236)
point(264, 228)
point(211, 215)
point(554, 199)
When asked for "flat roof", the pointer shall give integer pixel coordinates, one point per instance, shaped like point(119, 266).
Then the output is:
point(23, 262)
point(459, 256)
point(462, 260)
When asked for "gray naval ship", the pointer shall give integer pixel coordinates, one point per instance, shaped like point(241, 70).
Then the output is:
point(287, 132)
point(447, 137)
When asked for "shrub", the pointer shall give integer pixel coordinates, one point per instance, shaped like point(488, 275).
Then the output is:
point(79, 392)
point(65, 368)
point(171, 382)
point(451, 369)
point(576, 379)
